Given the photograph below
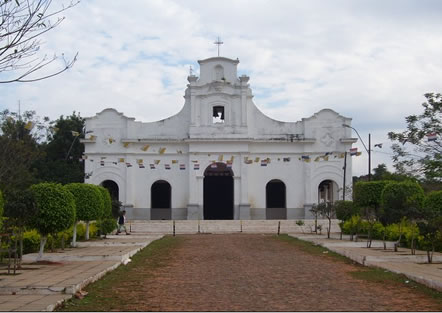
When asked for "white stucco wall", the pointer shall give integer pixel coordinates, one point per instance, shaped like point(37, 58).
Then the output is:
point(191, 137)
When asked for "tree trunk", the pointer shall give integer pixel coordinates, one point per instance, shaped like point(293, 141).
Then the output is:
point(383, 241)
point(316, 224)
point(87, 231)
point(74, 235)
point(397, 243)
point(413, 250)
point(21, 248)
point(43, 240)
point(329, 228)
point(429, 256)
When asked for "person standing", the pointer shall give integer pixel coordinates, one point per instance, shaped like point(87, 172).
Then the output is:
point(121, 223)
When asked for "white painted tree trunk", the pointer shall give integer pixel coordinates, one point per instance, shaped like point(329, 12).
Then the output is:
point(87, 231)
point(42, 247)
point(74, 235)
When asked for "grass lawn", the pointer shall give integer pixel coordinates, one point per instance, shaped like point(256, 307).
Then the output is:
point(102, 295)
point(371, 274)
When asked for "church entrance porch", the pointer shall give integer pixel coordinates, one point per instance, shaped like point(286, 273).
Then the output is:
point(218, 192)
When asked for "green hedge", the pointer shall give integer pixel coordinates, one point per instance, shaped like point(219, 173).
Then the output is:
point(88, 200)
point(2, 203)
point(56, 208)
point(345, 209)
point(401, 199)
point(432, 206)
point(368, 194)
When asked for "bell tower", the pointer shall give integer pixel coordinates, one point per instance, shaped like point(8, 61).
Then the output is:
point(218, 99)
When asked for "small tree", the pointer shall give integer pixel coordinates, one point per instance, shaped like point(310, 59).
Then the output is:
point(315, 211)
point(328, 211)
point(89, 205)
point(431, 226)
point(20, 209)
point(344, 211)
point(107, 202)
point(55, 210)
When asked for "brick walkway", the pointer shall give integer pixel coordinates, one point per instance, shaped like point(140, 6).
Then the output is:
point(243, 272)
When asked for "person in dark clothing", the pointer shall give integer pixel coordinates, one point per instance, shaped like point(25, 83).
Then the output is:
point(121, 222)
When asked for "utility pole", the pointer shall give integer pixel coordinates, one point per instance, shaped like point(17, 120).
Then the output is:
point(369, 157)
point(345, 174)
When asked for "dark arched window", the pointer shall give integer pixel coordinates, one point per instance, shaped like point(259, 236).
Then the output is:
point(112, 187)
point(275, 194)
point(160, 195)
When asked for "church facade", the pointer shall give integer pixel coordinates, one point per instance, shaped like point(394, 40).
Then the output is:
point(219, 157)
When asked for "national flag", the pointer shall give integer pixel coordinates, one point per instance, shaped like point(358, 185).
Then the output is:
point(103, 158)
point(256, 159)
point(432, 136)
point(141, 165)
point(162, 150)
point(264, 163)
point(182, 166)
point(353, 151)
point(305, 157)
point(328, 153)
point(111, 140)
point(268, 160)
point(102, 163)
point(229, 164)
point(195, 161)
point(128, 164)
point(145, 147)
point(196, 166)
point(286, 159)
point(114, 163)
point(179, 152)
point(74, 133)
point(152, 166)
point(167, 166)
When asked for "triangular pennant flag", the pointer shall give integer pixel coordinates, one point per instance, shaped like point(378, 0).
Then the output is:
point(220, 158)
point(162, 150)
point(257, 159)
point(317, 159)
point(145, 147)
point(74, 133)
point(139, 161)
point(126, 144)
point(174, 161)
point(157, 162)
point(232, 158)
point(111, 140)
point(358, 153)
point(121, 160)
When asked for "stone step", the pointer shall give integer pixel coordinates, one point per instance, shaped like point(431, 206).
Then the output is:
point(227, 226)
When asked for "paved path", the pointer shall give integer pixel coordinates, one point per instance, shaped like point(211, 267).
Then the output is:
point(244, 272)
point(40, 287)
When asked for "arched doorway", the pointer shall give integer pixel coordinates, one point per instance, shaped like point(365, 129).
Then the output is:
point(218, 192)
point(160, 200)
point(113, 189)
point(327, 191)
point(276, 200)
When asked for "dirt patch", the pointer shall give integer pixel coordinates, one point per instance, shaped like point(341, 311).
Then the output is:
point(46, 263)
point(244, 272)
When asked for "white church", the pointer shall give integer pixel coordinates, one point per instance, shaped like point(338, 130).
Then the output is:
point(219, 157)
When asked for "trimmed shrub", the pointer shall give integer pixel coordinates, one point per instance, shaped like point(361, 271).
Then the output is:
point(31, 241)
point(107, 202)
point(56, 208)
point(88, 201)
point(107, 225)
point(401, 199)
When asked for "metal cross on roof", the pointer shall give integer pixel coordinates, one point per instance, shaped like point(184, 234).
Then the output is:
point(219, 43)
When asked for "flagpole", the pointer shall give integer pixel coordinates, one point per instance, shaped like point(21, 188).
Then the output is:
point(345, 174)
point(369, 157)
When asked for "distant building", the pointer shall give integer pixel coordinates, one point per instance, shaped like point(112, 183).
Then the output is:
point(219, 157)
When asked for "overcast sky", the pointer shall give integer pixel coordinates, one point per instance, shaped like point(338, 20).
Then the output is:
point(368, 60)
